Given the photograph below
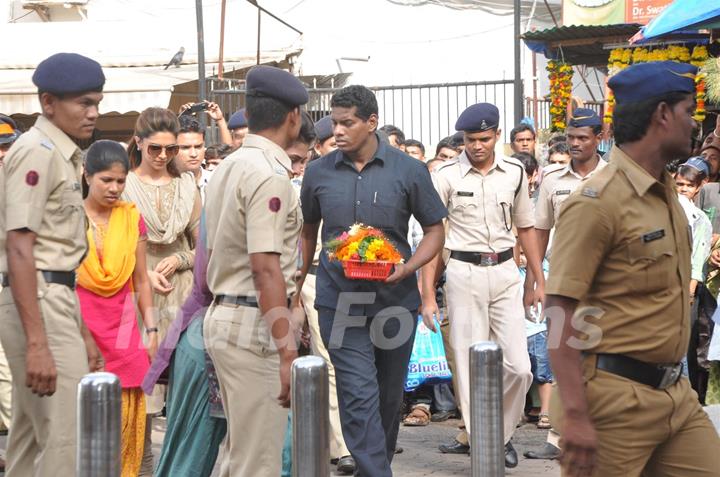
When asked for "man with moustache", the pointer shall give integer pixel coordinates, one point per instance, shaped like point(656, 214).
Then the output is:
point(43, 241)
point(486, 195)
point(584, 133)
point(618, 295)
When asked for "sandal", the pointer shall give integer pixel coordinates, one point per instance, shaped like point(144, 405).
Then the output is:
point(544, 421)
point(419, 416)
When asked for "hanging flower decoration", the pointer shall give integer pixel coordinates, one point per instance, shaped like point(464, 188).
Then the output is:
point(560, 75)
point(621, 58)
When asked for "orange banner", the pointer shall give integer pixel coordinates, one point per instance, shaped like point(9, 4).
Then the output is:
point(642, 11)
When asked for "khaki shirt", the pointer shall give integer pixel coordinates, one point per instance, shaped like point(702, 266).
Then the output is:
point(259, 213)
point(556, 187)
point(41, 192)
point(214, 193)
point(622, 244)
point(482, 209)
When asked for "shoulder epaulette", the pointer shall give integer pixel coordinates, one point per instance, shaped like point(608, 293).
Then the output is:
point(516, 163)
point(447, 164)
point(595, 186)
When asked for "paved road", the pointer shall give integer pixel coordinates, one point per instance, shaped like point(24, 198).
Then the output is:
point(421, 457)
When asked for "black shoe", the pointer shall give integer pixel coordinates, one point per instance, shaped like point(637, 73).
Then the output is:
point(549, 452)
point(511, 458)
point(399, 450)
point(346, 465)
point(442, 416)
point(454, 448)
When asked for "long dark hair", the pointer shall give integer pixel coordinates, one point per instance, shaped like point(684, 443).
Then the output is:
point(100, 157)
point(151, 121)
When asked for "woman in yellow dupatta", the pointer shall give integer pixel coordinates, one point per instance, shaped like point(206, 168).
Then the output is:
point(114, 268)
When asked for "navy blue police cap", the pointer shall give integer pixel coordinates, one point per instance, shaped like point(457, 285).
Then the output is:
point(270, 82)
point(584, 117)
point(458, 138)
point(68, 73)
point(237, 120)
point(324, 128)
point(643, 81)
point(8, 130)
point(478, 117)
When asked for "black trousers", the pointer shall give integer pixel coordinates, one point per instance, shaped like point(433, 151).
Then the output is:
point(370, 357)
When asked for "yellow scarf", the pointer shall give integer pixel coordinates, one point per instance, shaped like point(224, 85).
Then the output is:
point(106, 278)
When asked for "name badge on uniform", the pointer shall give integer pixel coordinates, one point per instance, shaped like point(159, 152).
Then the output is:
point(562, 192)
point(463, 193)
point(654, 235)
point(590, 192)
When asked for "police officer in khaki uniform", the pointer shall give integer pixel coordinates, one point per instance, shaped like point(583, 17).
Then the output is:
point(486, 194)
point(248, 332)
point(9, 133)
point(618, 297)
point(584, 133)
point(43, 242)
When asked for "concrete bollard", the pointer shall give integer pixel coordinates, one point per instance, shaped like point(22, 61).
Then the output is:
point(311, 418)
point(98, 426)
point(487, 451)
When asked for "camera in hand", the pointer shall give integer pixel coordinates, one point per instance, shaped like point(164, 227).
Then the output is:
point(195, 108)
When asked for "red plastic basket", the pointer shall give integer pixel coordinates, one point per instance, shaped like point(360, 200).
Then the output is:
point(375, 271)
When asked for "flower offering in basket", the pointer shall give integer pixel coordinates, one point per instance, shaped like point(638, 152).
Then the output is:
point(365, 253)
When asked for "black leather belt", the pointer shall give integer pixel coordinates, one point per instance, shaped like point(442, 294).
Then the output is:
point(250, 301)
point(59, 278)
point(658, 376)
point(231, 300)
point(482, 259)
point(313, 270)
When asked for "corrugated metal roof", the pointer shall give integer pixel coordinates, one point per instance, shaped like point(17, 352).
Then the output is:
point(582, 32)
point(580, 45)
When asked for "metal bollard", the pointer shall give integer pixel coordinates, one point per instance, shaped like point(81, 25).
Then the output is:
point(98, 426)
point(311, 418)
point(487, 451)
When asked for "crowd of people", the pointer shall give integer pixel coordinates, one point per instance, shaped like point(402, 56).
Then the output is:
point(196, 273)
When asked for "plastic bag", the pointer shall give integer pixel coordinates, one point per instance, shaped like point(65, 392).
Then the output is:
point(428, 364)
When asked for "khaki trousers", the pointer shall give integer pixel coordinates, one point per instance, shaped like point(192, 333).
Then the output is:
point(247, 366)
point(337, 443)
point(42, 439)
point(644, 431)
point(5, 390)
point(485, 304)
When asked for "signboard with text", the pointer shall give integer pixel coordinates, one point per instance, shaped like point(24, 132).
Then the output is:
point(611, 12)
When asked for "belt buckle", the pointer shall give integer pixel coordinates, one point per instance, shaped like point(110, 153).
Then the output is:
point(486, 260)
point(671, 376)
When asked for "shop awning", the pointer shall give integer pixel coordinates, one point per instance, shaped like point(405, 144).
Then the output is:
point(127, 88)
point(133, 56)
point(682, 15)
point(579, 44)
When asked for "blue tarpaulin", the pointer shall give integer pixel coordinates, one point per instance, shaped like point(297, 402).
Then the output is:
point(682, 15)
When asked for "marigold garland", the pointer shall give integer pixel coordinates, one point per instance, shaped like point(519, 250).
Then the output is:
point(621, 58)
point(363, 243)
point(560, 75)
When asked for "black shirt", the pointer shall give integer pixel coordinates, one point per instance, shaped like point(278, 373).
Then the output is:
point(390, 188)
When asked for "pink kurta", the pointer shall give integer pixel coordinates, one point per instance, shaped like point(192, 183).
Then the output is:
point(114, 325)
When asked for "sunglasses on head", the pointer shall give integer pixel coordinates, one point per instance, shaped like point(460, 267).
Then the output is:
point(170, 151)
